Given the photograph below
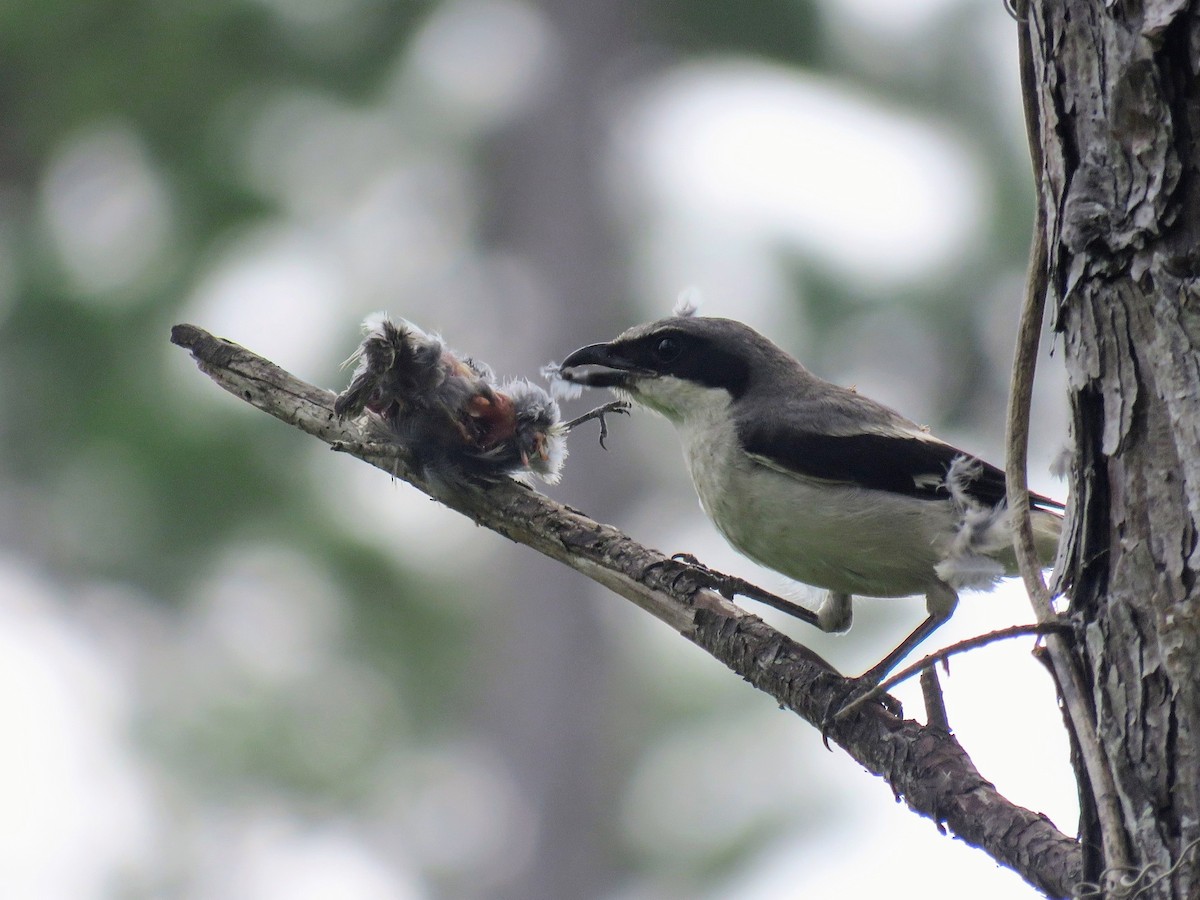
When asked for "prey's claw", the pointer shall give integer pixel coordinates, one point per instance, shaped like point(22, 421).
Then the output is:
point(616, 406)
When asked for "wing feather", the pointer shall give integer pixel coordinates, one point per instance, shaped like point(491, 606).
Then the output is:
point(893, 459)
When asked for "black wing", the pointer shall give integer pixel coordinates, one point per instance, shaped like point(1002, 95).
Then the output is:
point(890, 461)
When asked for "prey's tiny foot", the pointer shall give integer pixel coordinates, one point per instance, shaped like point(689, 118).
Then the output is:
point(620, 407)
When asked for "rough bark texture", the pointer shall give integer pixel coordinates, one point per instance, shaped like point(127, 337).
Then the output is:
point(925, 766)
point(1119, 109)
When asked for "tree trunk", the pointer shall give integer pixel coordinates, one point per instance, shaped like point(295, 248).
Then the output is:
point(1118, 109)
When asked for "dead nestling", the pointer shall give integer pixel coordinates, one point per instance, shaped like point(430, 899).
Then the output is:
point(448, 411)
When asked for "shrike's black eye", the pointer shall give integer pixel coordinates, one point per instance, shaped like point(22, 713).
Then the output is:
point(667, 350)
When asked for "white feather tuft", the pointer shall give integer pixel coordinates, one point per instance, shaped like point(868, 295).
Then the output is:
point(983, 531)
point(688, 303)
point(963, 470)
point(371, 325)
point(374, 322)
point(972, 573)
point(560, 388)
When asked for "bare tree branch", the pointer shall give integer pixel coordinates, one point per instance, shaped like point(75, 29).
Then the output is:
point(925, 766)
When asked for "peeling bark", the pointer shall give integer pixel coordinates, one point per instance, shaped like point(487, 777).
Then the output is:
point(1119, 105)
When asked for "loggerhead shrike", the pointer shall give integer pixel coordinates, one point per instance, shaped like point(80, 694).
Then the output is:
point(814, 480)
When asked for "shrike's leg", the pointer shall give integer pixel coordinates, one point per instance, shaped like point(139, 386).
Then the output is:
point(940, 601)
point(835, 613)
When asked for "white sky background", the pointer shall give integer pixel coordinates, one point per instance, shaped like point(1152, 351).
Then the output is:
point(714, 149)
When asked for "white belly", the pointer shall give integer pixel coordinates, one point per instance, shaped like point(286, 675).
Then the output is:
point(836, 537)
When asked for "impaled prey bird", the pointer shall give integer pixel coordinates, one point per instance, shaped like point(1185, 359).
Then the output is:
point(448, 411)
point(814, 480)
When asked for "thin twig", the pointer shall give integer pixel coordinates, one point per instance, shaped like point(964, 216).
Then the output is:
point(1125, 883)
point(1020, 401)
point(964, 646)
point(935, 703)
point(1025, 357)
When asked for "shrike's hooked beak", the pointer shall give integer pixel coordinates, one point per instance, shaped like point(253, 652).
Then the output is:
point(614, 370)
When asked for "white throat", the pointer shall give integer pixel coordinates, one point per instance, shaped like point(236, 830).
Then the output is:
point(703, 419)
point(680, 400)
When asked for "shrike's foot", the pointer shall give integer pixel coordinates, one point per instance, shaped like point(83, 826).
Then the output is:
point(729, 586)
point(866, 690)
point(858, 696)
